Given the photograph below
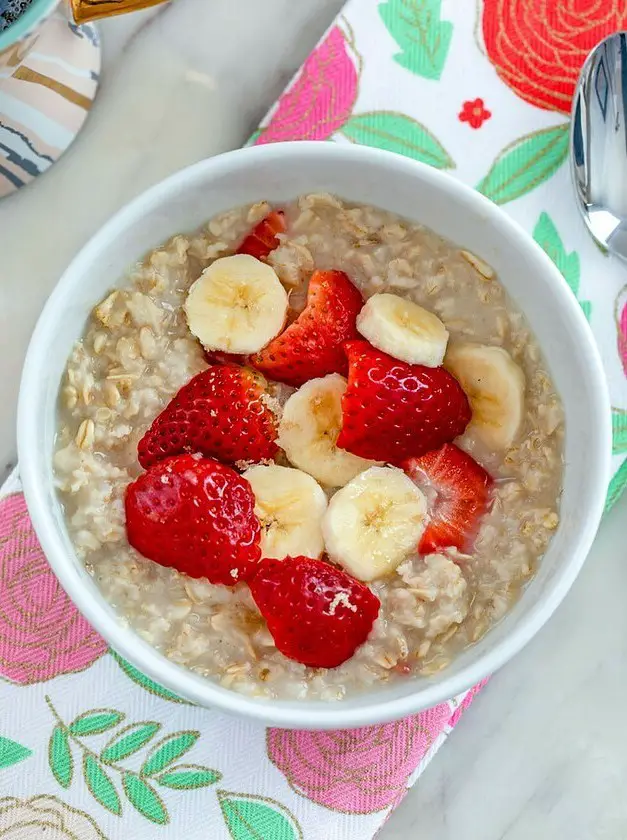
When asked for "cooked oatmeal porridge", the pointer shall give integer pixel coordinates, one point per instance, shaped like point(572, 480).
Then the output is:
point(138, 351)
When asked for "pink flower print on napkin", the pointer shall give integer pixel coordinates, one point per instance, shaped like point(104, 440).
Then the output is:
point(356, 771)
point(322, 97)
point(470, 696)
point(42, 634)
point(621, 324)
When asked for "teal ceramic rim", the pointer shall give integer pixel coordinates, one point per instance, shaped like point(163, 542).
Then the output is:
point(36, 12)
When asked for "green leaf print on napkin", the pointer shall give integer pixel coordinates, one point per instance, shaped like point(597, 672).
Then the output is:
point(95, 722)
point(144, 799)
point(257, 818)
point(525, 164)
point(617, 485)
point(11, 752)
point(188, 777)
point(167, 751)
point(424, 38)
point(129, 740)
point(145, 682)
point(102, 768)
point(60, 756)
point(546, 235)
point(619, 431)
point(399, 133)
point(100, 785)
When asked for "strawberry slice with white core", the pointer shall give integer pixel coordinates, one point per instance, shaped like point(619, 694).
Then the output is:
point(458, 491)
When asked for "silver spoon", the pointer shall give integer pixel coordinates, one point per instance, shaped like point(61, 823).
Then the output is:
point(598, 151)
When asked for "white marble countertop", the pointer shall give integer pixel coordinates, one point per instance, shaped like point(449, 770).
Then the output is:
point(543, 751)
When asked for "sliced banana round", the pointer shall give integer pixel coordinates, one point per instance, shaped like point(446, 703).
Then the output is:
point(495, 387)
point(375, 522)
point(403, 329)
point(237, 305)
point(290, 506)
point(309, 429)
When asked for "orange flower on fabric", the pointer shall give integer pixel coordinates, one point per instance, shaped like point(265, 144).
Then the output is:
point(539, 46)
point(474, 113)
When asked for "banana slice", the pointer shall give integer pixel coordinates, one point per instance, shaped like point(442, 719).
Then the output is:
point(237, 305)
point(309, 428)
point(495, 387)
point(403, 329)
point(375, 522)
point(290, 506)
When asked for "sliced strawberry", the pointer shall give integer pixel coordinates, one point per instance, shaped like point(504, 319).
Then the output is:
point(392, 410)
point(317, 614)
point(460, 489)
point(312, 345)
point(197, 516)
point(217, 357)
point(263, 237)
point(219, 413)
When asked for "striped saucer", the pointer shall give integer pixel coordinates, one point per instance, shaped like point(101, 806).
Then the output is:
point(45, 99)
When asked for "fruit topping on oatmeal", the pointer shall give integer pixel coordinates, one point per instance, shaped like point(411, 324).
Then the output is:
point(310, 425)
point(264, 237)
point(197, 516)
point(392, 410)
point(375, 522)
point(222, 413)
point(459, 493)
point(495, 387)
point(403, 329)
point(237, 305)
point(317, 614)
point(312, 346)
point(308, 451)
point(289, 505)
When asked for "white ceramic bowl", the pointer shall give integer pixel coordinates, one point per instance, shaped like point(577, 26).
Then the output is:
point(278, 173)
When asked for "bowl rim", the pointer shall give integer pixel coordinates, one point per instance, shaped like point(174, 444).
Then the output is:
point(200, 690)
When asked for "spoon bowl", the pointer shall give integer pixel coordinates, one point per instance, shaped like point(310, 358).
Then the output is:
point(599, 143)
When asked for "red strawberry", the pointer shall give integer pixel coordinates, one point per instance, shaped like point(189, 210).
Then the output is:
point(217, 357)
point(392, 410)
point(317, 614)
point(263, 237)
point(220, 413)
point(462, 496)
point(197, 516)
point(312, 345)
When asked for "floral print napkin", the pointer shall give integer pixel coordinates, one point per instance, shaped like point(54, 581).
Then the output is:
point(91, 749)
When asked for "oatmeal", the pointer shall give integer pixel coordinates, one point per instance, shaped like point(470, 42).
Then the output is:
point(138, 352)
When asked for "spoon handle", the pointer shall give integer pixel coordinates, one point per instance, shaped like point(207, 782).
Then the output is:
point(85, 10)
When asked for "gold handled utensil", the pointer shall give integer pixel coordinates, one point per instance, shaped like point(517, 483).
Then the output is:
point(86, 10)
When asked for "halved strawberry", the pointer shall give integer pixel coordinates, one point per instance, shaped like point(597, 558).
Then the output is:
point(220, 413)
point(197, 516)
point(316, 613)
point(312, 345)
point(460, 489)
point(392, 410)
point(263, 237)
